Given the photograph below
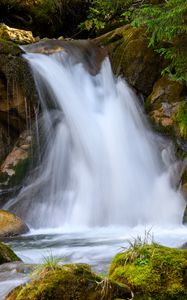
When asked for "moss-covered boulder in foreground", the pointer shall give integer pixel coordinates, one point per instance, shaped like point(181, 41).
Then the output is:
point(7, 255)
point(152, 271)
point(70, 282)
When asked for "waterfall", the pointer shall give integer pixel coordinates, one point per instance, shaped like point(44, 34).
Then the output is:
point(101, 164)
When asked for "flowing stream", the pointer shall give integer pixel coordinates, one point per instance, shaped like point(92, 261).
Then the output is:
point(104, 177)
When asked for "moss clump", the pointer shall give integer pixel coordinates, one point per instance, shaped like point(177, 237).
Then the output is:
point(74, 281)
point(7, 47)
point(152, 271)
point(7, 255)
point(17, 176)
point(181, 121)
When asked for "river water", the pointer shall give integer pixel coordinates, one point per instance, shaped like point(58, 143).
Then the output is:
point(96, 247)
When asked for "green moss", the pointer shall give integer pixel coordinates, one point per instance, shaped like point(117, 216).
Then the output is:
point(19, 173)
point(181, 121)
point(7, 47)
point(7, 255)
point(152, 271)
point(74, 281)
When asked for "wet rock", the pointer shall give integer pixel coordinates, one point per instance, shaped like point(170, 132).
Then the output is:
point(16, 35)
point(11, 225)
point(83, 51)
point(164, 102)
point(131, 57)
point(18, 97)
point(74, 281)
point(15, 166)
point(152, 271)
point(17, 90)
point(7, 255)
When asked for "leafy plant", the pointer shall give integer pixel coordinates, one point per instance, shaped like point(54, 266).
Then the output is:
point(167, 28)
point(135, 249)
point(50, 263)
point(102, 14)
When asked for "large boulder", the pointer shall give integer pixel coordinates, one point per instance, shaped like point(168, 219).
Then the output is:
point(11, 225)
point(7, 255)
point(152, 271)
point(131, 57)
point(69, 282)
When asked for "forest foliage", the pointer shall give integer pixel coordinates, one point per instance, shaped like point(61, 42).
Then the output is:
point(165, 22)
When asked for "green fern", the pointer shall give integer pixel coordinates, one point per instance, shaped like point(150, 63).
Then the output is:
point(105, 13)
point(167, 30)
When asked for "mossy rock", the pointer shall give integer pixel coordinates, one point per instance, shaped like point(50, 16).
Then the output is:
point(132, 58)
point(7, 255)
point(7, 47)
point(70, 282)
point(152, 271)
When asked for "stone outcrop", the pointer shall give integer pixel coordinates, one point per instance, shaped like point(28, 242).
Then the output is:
point(164, 102)
point(18, 96)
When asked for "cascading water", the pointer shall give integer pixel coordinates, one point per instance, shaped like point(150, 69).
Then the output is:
point(101, 164)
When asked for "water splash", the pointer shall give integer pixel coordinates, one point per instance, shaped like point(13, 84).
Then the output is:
point(101, 164)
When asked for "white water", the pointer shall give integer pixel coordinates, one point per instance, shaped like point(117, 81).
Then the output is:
point(101, 165)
